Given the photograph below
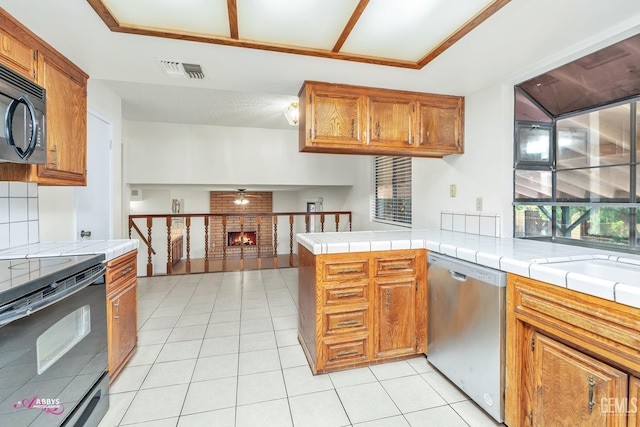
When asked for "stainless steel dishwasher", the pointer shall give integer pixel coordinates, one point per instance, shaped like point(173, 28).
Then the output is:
point(466, 332)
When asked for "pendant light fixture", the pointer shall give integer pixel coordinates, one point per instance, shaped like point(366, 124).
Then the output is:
point(292, 114)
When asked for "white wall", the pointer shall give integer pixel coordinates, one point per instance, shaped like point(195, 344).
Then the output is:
point(165, 153)
point(484, 170)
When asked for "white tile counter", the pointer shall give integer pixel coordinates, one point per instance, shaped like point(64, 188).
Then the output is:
point(110, 248)
point(529, 258)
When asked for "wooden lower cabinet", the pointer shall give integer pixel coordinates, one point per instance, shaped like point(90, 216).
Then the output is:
point(571, 358)
point(571, 388)
point(122, 313)
point(361, 308)
point(633, 404)
point(394, 331)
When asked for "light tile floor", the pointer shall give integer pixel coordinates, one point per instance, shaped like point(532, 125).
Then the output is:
point(221, 350)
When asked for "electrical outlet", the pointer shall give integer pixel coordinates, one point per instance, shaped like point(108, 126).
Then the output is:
point(452, 190)
point(479, 203)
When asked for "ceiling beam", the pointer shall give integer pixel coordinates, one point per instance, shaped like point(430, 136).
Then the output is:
point(232, 9)
point(352, 23)
point(234, 40)
point(468, 26)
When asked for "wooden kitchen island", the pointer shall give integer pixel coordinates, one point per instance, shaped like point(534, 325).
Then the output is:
point(362, 308)
point(573, 333)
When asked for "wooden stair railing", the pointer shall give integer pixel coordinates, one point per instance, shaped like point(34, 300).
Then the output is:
point(270, 233)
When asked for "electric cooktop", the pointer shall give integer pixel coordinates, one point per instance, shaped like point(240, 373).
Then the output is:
point(20, 277)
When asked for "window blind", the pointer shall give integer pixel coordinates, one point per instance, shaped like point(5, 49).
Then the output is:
point(391, 190)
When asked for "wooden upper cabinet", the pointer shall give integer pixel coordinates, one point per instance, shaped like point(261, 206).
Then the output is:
point(345, 119)
point(66, 115)
point(571, 388)
point(333, 117)
point(66, 124)
point(391, 122)
point(17, 55)
point(440, 125)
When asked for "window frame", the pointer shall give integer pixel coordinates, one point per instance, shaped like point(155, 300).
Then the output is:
point(400, 214)
point(632, 203)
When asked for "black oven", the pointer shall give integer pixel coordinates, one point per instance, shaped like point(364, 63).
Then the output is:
point(53, 341)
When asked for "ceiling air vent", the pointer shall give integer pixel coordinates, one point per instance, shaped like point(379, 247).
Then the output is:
point(182, 69)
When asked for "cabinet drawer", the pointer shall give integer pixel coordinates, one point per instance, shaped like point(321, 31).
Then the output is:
point(342, 294)
point(345, 351)
point(345, 321)
point(395, 266)
point(121, 271)
point(345, 270)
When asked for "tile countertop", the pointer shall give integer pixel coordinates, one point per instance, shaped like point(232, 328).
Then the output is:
point(529, 258)
point(110, 248)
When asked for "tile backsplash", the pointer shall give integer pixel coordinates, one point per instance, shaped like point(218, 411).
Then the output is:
point(18, 214)
point(483, 224)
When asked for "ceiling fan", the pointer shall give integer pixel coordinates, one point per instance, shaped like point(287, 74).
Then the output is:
point(241, 197)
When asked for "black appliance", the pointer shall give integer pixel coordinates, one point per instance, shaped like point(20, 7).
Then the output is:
point(53, 341)
point(22, 117)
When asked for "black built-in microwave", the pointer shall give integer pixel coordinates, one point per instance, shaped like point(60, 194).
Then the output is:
point(22, 117)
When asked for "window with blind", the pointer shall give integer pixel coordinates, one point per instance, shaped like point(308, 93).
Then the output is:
point(391, 190)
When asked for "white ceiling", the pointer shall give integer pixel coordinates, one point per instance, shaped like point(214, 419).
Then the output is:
point(251, 88)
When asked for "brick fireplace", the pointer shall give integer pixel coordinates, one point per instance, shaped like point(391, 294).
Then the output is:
point(222, 202)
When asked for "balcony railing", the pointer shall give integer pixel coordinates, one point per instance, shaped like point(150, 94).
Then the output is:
point(200, 243)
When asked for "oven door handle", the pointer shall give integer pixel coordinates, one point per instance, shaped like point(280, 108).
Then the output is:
point(28, 309)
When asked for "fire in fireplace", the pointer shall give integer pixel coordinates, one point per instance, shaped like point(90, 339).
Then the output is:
point(240, 238)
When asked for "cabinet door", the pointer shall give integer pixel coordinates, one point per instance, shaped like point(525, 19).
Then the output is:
point(390, 122)
point(66, 125)
point(571, 388)
point(334, 117)
point(395, 317)
point(632, 405)
point(17, 55)
point(123, 338)
point(440, 125)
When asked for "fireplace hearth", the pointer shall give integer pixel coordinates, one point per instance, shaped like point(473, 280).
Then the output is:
point(242, 238)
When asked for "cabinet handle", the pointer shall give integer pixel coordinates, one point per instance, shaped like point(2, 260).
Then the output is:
point(348, 295)
point(346, 353)
point(378, 129)
point(54, 162)
point(348, 323)
point(592, 383)
point(353, 127)
point(116, 317)
point(388, 298)
point(349, 271)
point(426, 135)
point(396, 267)
point(127, 270)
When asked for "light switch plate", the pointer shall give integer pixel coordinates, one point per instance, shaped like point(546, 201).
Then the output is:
point(452, 190)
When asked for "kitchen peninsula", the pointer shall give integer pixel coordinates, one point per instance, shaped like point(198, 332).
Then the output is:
point(571, 313)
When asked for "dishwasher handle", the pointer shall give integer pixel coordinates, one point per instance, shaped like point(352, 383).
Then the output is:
point(458, 276)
